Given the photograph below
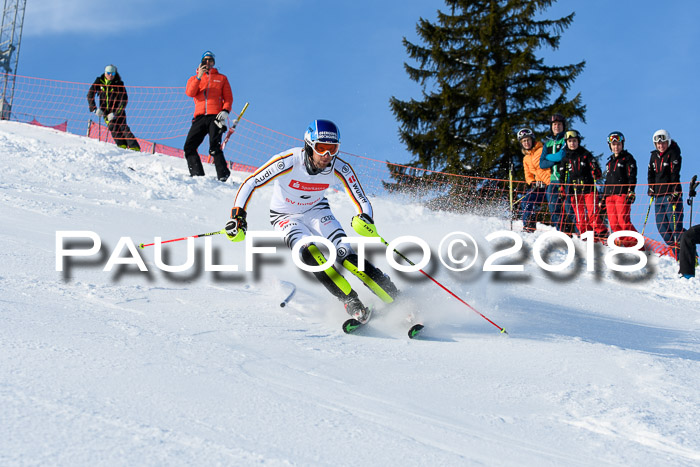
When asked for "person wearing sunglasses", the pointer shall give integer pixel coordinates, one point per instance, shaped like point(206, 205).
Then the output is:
point(664, 178)
point(213, 99)
point(554, 148)
point(299, 209)
point(620, 184)
point(536, 178)
point(113, 97)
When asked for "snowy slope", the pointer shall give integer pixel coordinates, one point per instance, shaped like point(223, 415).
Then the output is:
point(199, 367)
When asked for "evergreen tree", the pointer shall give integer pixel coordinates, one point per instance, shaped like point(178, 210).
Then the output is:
point(481, 82)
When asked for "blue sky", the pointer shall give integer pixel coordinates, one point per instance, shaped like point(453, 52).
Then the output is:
point(295, 60)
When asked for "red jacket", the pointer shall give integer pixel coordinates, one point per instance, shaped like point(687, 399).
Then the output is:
point(211, 94)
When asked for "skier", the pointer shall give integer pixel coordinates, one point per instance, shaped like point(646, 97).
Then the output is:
point(113, 99)
point(536, 178)
point(212, 96)
point(582, 170)
point(552, 155)
point(299, 209)
point(664, 177)
point(620, 183)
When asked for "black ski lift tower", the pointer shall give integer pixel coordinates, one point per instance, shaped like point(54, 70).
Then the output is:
point(10, 38)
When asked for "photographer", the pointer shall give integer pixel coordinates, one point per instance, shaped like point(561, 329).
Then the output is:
point(212, 96)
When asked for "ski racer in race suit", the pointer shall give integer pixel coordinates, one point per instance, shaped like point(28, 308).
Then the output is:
point(111, 91)
point(664, 177)
point(620, 183)
point(299, 209)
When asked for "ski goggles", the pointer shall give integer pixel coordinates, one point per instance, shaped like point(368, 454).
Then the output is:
point(322, 149)
point(616, 138)
point(557, 118)
point(525, 133)
point(662, 138)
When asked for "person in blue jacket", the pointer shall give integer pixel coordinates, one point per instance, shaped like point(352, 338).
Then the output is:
point(552, 154)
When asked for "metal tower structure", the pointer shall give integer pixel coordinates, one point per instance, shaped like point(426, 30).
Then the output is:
point(10, 39)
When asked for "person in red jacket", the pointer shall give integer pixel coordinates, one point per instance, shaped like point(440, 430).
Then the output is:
point(212, 96)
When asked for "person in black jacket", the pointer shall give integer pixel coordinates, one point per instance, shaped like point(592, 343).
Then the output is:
point(582, 171)
point(620, 183)
point(687, 258)
point(664, 177)
point(113, 99)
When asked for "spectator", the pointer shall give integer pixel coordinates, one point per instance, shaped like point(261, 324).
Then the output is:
point(552, 155)
point(299, 209)
point(664, 177)
point(212, 103)
point(688, 253)
point(536, 178)
point(582, 170)
point(620, 183)
point(113, 99)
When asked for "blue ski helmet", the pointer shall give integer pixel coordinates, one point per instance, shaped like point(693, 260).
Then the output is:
point(319, 131)
point(209, 54)
point(616, 137)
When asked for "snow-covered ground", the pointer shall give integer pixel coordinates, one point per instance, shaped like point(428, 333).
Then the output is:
point(141, 368)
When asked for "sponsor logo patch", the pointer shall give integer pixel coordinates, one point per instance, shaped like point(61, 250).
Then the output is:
point(303, 186)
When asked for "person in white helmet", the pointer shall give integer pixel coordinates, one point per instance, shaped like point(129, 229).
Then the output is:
point(664, 178)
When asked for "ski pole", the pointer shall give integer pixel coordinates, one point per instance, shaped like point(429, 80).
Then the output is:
point(510, 192)
point(503, 331)
point(651, 200)
point(222, 231)
point(369, 230)
point(691, 194)
point(233, 127)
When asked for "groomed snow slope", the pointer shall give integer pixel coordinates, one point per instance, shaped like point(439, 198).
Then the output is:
point(205, 368)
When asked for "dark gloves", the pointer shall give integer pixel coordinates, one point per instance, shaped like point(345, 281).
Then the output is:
point(631, 197)
point(650, 192)
point(676, 196)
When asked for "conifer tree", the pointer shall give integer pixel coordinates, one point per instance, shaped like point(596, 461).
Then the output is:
point(482, 80)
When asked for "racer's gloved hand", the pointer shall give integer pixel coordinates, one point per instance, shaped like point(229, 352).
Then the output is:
point(110, 117)
point(650, 192)
point(221, 119)
point(676, 196)
point(99, 112)
point(631, 197)
point(237, 226)
point(363, 224)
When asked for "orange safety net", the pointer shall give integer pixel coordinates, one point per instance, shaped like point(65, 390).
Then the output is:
point(160, 118)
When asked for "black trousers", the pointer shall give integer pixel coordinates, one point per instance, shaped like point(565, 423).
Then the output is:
point(203, 125)
point(686, 257)
point(121, 133)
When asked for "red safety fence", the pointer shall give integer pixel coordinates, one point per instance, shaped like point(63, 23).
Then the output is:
point(160, 118)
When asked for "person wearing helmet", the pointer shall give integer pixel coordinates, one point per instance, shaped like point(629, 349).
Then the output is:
point(299, 209)
point(552, 155)
point(536, 178)
point(664, 178)
point(620, 184)
point(212, 96)
point(111, 91)
point(582, 171)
